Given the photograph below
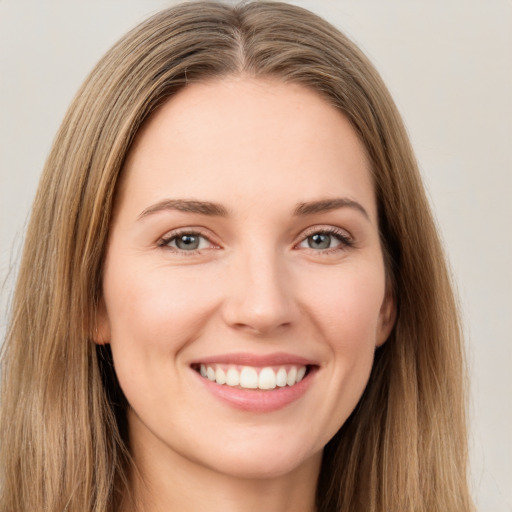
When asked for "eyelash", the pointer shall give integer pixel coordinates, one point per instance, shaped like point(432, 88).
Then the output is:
point(166, 240)
point(340, 235)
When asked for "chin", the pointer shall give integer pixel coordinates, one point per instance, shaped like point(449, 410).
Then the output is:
point(260, 462)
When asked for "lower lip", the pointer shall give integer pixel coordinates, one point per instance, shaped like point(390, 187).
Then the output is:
point(257, 400)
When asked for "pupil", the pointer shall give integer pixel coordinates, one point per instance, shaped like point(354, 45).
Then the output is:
point(319, 241)
point(187, 242)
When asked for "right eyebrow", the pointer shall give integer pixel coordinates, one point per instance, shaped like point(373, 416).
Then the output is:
point(184, 205)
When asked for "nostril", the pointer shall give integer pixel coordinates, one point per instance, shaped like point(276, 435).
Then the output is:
point(260, 328)
point(258, 307)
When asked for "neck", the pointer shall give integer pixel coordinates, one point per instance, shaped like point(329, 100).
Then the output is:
point(222, 495)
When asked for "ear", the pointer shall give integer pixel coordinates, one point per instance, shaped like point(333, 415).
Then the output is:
point(387, 318)
point(101, 335)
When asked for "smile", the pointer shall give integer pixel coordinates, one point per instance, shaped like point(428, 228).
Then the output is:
point(256, 383)
point(250, 377)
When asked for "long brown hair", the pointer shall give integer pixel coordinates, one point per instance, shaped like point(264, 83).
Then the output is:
point(63, 427)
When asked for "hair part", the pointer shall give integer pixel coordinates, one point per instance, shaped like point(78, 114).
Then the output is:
point(63, 426)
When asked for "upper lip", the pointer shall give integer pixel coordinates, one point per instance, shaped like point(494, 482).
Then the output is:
point(258, 360)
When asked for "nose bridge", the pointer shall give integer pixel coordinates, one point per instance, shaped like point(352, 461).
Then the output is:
point(259, 298)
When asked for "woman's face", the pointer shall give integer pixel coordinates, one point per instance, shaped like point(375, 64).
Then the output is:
point(244, 251)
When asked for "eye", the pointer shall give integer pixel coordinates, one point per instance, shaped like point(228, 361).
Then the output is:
point(326, 239)
point(186, 241)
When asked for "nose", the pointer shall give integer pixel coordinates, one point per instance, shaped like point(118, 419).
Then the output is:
point(259, 295)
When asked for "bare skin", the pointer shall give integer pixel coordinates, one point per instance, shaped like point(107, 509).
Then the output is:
point(183, 486)
point(245, 238)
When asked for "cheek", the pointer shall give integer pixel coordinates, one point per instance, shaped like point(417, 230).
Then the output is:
point(153, 308)
point(153, 315)
point(347, 305)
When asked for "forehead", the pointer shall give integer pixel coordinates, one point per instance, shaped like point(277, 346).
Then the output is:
point(244, 138)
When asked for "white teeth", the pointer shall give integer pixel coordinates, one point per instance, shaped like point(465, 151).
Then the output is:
point(210, 373)
point(300, 374)
point(248, 377)
point(220, 376)
point(281, 377)
point(267, 379)
point(233, 377)
point(292, 375)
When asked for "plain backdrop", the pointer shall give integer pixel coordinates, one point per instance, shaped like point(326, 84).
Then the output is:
point(448, 65)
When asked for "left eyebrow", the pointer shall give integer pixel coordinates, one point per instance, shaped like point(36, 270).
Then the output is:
point(182, 205)
point(327, 205)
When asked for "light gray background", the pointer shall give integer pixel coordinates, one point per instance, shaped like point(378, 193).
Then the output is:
point(448, 65)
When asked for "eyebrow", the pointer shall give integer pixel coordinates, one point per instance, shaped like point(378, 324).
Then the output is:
point(327, 205)
point(183, 205)
point(217, 210)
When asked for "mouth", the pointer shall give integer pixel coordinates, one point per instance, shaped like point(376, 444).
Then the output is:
point(246, 377)
point(256, 383)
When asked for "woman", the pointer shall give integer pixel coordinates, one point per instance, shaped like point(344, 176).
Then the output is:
point(232, 292)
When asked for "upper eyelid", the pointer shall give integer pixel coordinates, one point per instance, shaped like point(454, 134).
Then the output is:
point(174, 233)
point(195, 230)
point(205, 233)
point(324, 229)
point(344, 237)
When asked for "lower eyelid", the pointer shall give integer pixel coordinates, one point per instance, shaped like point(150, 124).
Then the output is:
point(168, 239)
point(342, 237)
